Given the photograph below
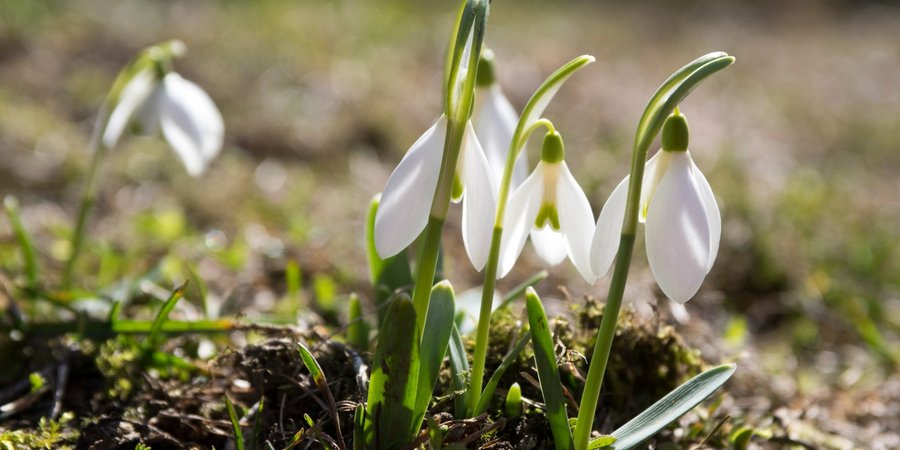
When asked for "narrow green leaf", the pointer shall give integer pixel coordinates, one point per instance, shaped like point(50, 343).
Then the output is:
point(459, 369)
point(359, 427)
point(387, 275)
point(438, 326)
point(358, 329)
point(235, 424)
point(163, 315)
point(671, 407)
point(315, 370)
point(740, 438)
point(257, 422)
point(394, 381)
point(25, 243)
point(548, 372)
point(507, 361)
point(318, 376)
point(519, 290)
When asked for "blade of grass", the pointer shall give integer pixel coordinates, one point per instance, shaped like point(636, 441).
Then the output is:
point(459, 368)
point(235, 425)
point(25, 242)
point(163, 315)
point(507, 361)
point(548, 372)
point(318, 376)
point(519, 290)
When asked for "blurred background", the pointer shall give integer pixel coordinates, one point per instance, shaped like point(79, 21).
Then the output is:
point(322, 98)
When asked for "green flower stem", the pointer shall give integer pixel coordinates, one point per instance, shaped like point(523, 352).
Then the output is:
point(472, 19)
point(484, 318)
point(663, 102)
point(529, 122)
point(88, 196)
point(490, 276)
point(426, 267)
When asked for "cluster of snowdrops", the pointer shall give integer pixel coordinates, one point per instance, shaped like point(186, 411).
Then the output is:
point(474, 154)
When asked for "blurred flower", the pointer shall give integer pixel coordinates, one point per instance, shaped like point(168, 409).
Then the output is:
point(679, 210)
point(154, 101)
point(495, 120)
point(409, 192)
point(552, 207)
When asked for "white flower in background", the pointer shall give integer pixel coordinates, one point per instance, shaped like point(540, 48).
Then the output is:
point(554, 210)
point(155, 100)
point(494, 120)
point(409, 192)
point(680, 214)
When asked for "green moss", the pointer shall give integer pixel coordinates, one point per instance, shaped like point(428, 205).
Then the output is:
point(50, 434)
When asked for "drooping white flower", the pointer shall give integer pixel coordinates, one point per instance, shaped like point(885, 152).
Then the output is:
point(551, 207)
point(494, 120)
point(409, 192)
point(187, 117)
point(681, 217)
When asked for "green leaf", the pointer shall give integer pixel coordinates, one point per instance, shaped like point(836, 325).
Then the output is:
point(519, 290)
point(507, 361)
point(740, 439)
point(163, 315)
point(394, 381)
point(359, 427)
point(671, 407)
point(25, 243)
point(602, 441)
point(459, 368)
point(548, 372)
point(315, 370)
point(358, 329)
point(318, 376)
point(439, 326)
point(387, 275)
point(235, 424)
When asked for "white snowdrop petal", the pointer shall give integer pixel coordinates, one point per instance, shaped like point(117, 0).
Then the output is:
point(468, 304)
point(576, 221)
point(521, 211)
point(550, 245)
point(677, 232)
point(406, 200)
point(653, 172)
point(495, 122)
point(132, 97)
point(190, 122)
point(479, 201)
point(712, 213)
point(605, 243)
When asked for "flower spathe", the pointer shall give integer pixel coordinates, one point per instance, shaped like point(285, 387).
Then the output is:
point(409, 192)
point(494, 120)
point(680, 214)
point(153, 102)
point(551, 208)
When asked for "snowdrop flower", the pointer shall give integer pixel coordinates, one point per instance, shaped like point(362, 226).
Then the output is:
point(552, 207)
point(156, 99)
point(495, 120)
point(409, 192)
point(680, 214)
